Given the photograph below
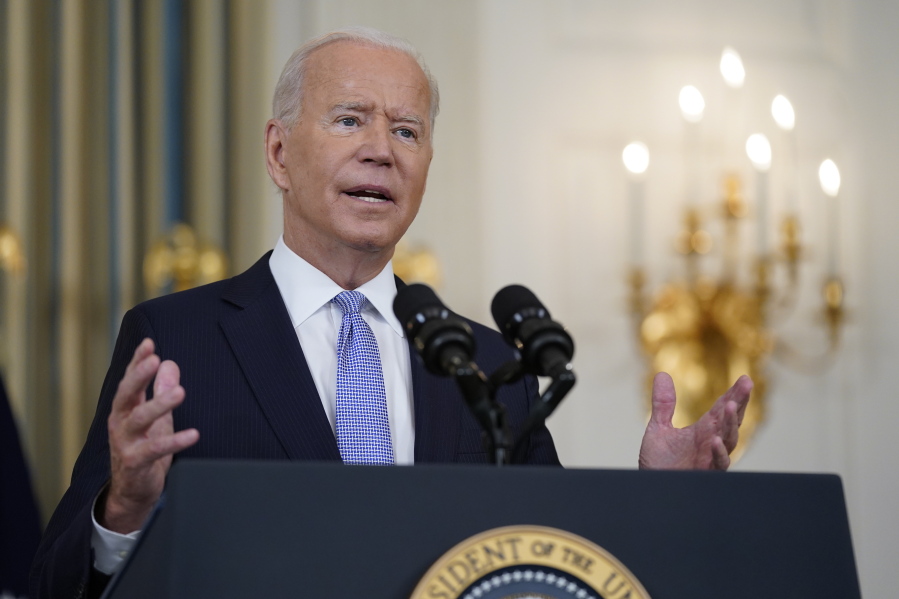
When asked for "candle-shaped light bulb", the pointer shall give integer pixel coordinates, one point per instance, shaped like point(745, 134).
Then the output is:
point(759, 151)
point(782, 111)
point(785, 117)
point(732, 68)
point(829, 176)
point(691, 103)
point(636, 161)
point(636, 157)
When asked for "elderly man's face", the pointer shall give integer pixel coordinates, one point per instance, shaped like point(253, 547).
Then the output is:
point(353, 169)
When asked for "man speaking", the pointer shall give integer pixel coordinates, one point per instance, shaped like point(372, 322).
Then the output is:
point(301, 357)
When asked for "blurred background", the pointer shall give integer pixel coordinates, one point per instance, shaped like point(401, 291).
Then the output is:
point(121, 120)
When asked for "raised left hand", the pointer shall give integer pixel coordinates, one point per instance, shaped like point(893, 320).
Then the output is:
point(704, 445)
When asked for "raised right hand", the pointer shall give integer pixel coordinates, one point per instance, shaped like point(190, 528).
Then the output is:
point(142, 439)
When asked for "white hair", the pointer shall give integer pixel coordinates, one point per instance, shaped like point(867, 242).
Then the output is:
point(288, 96)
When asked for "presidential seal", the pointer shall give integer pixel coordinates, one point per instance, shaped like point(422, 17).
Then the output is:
point(528, 562)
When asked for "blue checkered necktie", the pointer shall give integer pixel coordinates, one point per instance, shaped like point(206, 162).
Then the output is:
point(363, 430)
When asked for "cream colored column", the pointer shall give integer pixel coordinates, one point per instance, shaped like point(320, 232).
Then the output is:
point(152, 122)
point(71, 206)
point(289, 24)
point(124, 194)
point(206, 125)
point(246, 163)
point(18, 192)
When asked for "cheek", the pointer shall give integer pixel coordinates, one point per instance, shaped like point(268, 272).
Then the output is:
point(315, 174)
point(418, 172)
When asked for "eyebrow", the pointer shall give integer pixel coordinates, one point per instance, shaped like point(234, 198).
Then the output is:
point(411, 118)
point(366, 107)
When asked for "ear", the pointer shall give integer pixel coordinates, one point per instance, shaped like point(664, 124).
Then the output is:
point(275, 141)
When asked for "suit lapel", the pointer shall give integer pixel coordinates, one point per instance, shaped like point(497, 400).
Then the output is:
point(266, 347)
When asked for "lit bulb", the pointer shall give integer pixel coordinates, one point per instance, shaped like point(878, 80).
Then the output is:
point(783, 113)
point(636, 157)
point(759, 151)
point(829, 175)
point(691, 103)
point(732, 68)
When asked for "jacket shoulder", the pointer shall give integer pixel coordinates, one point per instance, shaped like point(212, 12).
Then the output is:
point(211, 299)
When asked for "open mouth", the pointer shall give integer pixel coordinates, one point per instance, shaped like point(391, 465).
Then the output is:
point(373, 195)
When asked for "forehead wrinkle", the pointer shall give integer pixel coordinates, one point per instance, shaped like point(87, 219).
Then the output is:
point(354, 106)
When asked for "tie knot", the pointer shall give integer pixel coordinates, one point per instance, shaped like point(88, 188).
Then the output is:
point(350, 302)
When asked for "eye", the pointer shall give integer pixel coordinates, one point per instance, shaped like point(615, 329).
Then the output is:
point(348, 121)
point(407, 133)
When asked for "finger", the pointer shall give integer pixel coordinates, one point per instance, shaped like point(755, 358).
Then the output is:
point(168, 394)
point(143, 349)
point(168, 376)
point(132, 387)
point(720, 459)
point(741, 393)
point(164, 445)
point(663, 400)
point(142, 417)
point(738, 392)
point(730, 426)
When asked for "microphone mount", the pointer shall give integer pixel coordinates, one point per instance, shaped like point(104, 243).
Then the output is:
point(446, 345)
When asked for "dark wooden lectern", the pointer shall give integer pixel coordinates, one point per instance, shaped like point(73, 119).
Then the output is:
point(264, 529)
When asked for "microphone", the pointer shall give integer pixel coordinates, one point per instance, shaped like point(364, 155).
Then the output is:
point(443, 339)
point(446, 344)
point(546, 347)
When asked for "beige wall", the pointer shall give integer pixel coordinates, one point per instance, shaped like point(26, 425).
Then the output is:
point(527, 186)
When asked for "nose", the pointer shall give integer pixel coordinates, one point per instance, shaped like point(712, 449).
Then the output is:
point(376, 144)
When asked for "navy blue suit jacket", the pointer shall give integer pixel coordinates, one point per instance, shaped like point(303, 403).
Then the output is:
point(250, 394)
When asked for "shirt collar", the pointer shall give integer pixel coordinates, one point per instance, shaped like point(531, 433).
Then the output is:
point(305, 289)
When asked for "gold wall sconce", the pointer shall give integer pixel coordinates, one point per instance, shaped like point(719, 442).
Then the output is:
point(182, 261)
point(12, 255)
point(416, 264)
point(707, 330)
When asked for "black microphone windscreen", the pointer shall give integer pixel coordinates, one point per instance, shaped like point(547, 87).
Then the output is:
point(412, 299)
point(510, 300)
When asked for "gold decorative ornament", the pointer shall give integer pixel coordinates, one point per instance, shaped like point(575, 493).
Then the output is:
point(179, 259)
point(416, 264)
point(706, 332)
point(12, 256)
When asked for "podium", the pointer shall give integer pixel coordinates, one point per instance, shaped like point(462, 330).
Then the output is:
point(277, 529)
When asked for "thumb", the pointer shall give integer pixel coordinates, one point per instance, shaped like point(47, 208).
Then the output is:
point(663, 400)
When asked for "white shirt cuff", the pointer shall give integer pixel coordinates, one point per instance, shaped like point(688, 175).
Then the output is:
point(110, 548)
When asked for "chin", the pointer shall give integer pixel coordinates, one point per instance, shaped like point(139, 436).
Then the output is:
point(373, 245)
point(374, 241)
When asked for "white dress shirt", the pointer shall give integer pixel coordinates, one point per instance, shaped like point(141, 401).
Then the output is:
point(307, 293)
